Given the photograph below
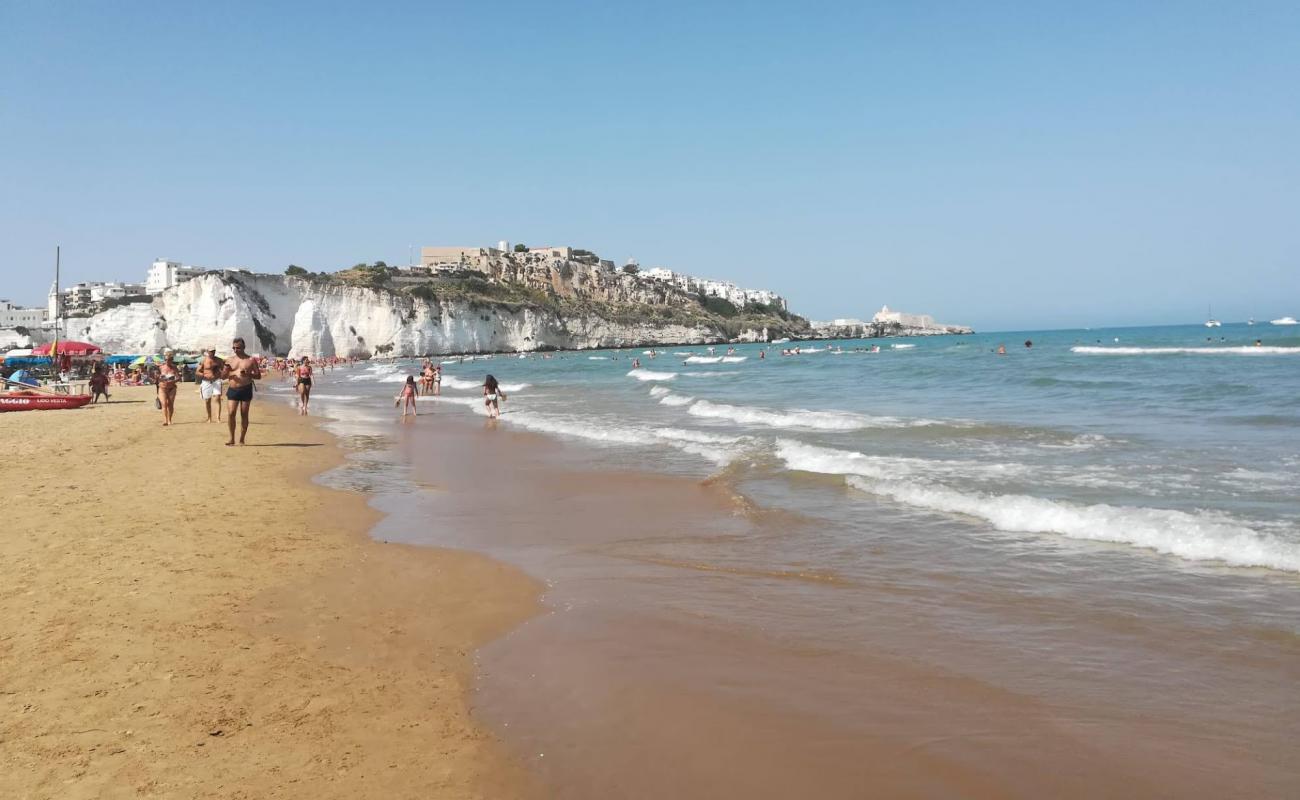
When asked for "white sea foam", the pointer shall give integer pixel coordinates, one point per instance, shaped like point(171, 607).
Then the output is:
point(1194, 536)
point(674, 400)
point(472, 403)
point(716, 449)
point(1198, 536)
point(722, 373)
point(902, 346)
point(686, 353)
point(830, 461)
point(1199, 351)
point(704, 360)
point(698, 437)
point(589, 429)
point(797, 418)
point(651, 375)
point(597, 358)
point(452, 382)
point(734, 359)
point(659, 391)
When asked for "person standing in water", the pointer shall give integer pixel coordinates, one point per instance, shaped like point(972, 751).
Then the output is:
point(240, 371)
point(303, 372)
point(406, 398)
point(492, 397)
point(169, 379)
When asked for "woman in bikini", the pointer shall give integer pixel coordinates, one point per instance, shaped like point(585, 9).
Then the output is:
point(426, 378)
point(169, 378)
point(303, 371)
point(492, 397)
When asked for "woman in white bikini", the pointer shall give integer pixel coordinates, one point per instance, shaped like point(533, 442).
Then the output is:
point(492, 397)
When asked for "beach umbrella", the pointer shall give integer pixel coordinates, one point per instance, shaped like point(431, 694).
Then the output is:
point(143, 360)
point(24, 377)
point(68, 348)
point(19, 351)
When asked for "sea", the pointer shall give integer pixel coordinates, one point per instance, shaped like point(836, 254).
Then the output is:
point(900, 566)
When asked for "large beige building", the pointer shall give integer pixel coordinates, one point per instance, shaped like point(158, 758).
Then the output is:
point(450, 256)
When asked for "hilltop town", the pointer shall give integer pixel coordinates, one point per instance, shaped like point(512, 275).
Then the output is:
point(539, 297)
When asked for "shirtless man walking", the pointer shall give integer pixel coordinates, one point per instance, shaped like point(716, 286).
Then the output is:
point(210, 372)
point(240, 371)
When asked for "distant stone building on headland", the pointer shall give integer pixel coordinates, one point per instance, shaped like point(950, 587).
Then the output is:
point(886, 322)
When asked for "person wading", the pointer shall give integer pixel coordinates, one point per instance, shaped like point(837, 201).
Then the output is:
point(240, 371)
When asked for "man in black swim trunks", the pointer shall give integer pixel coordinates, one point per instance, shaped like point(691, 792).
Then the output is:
point(240, 371)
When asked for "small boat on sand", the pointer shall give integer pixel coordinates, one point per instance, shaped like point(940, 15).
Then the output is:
point(40, 401)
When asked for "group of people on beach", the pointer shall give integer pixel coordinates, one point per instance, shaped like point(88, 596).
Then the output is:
point(493, 396)
point(235, 374)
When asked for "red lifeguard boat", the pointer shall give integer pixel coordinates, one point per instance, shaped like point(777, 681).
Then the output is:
point(39, 401)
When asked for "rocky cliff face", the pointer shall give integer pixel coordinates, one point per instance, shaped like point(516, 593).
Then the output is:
point(297, 316)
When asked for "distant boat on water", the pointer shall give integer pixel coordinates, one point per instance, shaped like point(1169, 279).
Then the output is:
point(1284, 321)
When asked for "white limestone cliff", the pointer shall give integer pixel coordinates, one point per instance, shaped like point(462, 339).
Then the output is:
point(299, 316)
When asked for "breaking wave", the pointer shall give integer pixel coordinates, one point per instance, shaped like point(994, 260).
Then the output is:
point(452, 382)
point(1194, 536)
point(797, 418)
point(673, 400)
point(651, 375)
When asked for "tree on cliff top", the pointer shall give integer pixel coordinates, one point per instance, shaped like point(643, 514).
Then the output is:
point(631, 269)
point(521, 248)
point(294, 269)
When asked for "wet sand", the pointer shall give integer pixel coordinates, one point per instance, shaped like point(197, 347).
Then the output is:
point(653, 673)
point(182, 619)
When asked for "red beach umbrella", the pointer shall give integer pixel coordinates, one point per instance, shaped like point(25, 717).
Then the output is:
point(69, 349)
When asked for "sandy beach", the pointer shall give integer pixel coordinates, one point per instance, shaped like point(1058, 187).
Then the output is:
point(183, 619)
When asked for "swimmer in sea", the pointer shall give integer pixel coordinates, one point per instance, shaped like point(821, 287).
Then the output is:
point(1002, 349)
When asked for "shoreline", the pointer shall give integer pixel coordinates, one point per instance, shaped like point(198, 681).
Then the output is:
point(192, 620)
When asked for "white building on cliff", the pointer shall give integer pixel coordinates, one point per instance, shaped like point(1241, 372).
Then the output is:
point(12, 316)
point(165, 274)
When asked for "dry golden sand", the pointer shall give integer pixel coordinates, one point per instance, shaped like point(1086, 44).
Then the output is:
point(183, 619)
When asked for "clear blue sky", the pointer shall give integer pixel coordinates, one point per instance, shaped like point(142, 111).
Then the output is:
point(1005, 165)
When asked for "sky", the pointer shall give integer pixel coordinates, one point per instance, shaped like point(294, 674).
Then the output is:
point(1004, 165)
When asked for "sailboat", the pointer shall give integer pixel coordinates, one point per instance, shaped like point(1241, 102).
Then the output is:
point(1212, 322)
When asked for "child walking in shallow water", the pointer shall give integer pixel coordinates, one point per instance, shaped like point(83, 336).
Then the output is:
point(492, 397)
point(407, 397)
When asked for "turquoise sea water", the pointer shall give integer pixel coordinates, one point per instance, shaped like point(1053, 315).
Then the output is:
point(1103, 527)
point(1181, 440)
